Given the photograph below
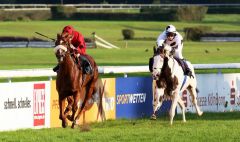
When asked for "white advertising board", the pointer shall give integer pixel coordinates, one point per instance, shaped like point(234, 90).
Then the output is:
point(218, 93)
point(24, 105)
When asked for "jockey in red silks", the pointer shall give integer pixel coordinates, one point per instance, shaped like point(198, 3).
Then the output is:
point(75, 38)
point(76, 41)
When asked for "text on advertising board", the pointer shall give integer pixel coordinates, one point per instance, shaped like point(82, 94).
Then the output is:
point(131, 98)
point(39, 104)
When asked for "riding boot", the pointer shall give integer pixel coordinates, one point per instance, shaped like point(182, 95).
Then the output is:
point(56, 68)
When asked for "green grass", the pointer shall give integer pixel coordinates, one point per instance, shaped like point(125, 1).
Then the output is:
point(21, 58)
point(137, 52)
point(212, 127)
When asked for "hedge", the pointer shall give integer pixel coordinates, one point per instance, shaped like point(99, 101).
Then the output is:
point(24, 15)
point(195, 33)
point(183, 13)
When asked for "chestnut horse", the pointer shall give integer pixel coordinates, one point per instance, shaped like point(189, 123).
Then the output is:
point(72, 84)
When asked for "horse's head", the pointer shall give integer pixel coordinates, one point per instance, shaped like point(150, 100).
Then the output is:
point(60, 52)
point(158, 59)
point(62, 48)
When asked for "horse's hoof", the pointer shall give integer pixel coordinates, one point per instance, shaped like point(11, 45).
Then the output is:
point(153, 117)
point(200, 113)
point(73, 124)
point(64, 124)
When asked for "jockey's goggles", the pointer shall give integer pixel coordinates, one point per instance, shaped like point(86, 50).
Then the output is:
point(171, 34)
point(66, 35)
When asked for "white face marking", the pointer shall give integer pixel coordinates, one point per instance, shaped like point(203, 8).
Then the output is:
point(157, 66)
point(59, 50)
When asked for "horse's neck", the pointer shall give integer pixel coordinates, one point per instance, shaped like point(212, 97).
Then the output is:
point(68, 66)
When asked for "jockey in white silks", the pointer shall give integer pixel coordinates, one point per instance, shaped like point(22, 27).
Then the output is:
point(171, 37)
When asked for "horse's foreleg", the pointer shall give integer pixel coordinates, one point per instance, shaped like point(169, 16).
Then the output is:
point(76, 104)
point(70, 101)
point(157, 101)
point(182, 106)
point(175, 100)
point(193, 94)
point(62, 116)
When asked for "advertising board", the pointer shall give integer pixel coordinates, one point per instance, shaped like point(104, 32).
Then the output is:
point(218, 93)
point(24, 105)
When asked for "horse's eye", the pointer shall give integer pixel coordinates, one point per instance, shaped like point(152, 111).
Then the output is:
point(154, 68)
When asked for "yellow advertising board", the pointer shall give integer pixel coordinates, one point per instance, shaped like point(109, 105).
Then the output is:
point(105, 86)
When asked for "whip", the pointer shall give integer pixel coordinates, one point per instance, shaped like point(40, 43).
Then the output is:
point(46, 36)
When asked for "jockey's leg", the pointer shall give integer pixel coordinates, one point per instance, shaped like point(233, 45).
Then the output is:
point(180, 62)
point(56, 68)
point(86, 65)
point(183, 64)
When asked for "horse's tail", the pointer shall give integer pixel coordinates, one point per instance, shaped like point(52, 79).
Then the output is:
point(101, 111)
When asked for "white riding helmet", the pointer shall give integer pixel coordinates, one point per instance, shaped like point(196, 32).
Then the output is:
point(171, 29)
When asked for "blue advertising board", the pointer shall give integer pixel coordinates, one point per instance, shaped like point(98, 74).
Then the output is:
point(134, 98)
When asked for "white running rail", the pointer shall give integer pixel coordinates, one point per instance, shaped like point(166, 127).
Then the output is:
point(47, 72)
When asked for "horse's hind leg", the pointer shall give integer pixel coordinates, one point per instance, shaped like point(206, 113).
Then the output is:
point(193, 94)
point(99, 102)
point(75, 106)
point(182, 106)
point(87, 103)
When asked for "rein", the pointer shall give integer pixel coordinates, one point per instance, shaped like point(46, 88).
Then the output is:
point(172, 65)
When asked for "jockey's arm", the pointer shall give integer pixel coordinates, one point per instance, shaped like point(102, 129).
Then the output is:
point(161, 39)
point(177, 49)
